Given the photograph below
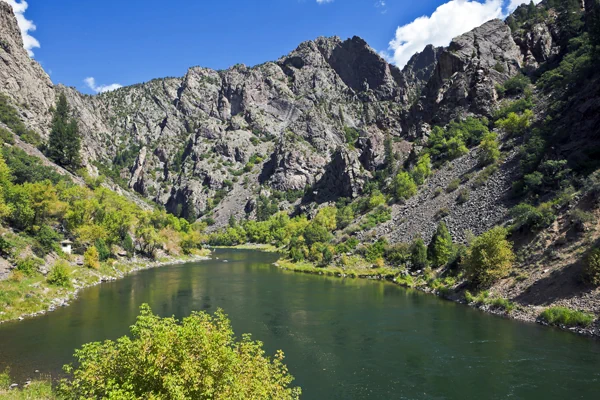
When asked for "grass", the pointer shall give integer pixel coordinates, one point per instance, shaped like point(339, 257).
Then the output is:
point(35, 390)
point(269, 248)
point(566, 316)
point(483, 298)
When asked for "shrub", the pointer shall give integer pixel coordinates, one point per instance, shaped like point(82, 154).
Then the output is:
point(566, 316)
point(6, 136)
point(580, 218)
point(28, 265)
point(463, 196)
point(405, 186)
point(440, 249)
point(592, 267)
point(422, 170)
point(514, 86)
point(452, 186)
point(418, 254)
point(60, 274)
point(489, 149)
point(351, 135)
point(48, 239)
point(515, 124)
point(91, 259)
point(198, 357)
point(103, 250)
point(534, 218)
point(489, 258)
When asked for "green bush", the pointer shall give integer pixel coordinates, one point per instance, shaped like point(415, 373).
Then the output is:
point(452, 186)
point(418, 254)
point(489, 149)
point(489, 258)
point(441, 247)
point(351, 135)
point(405, 186)
point(196, 358)
point(534, 218)
point(103, 250)
point(514, 86)
point(6, 137)
point(60, 274)
point(566, 316)
point(28, 265)
point(515, 124)
point(463, 196)
point(592, 267)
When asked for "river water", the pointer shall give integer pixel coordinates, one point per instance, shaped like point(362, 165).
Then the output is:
point(343, 338)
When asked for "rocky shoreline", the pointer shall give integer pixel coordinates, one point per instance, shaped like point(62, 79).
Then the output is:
point(139, 265)
point(522, 313)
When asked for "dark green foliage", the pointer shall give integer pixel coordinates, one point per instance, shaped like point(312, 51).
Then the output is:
point(463, 196)
point(452, 142)
point(65, 142)
point(440, 248)
point(344, 217)
point(266, 207)
point(378, 216)
point(316, 233)
point(26, 168)
point(592, 267)
point(517, 107)
point(573, 70)
point(418, 254)
point(351, 135)
point(375, 251)
point(6, 247)
point(6, 137)
point(526, 216)
point(128, 244)
point(48, 239)
point(514, 86)
point(103, 250)
point(398, 254)
point(10, 117)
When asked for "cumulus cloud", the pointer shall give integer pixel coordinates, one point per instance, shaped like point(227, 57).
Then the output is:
point(324, 1)
point(91, 83)
point(26, 26)
point(513, 4)
point(447, 21)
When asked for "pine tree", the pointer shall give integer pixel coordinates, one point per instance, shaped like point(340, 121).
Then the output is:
point(418, 254)
point(440, 248)
point(65, 142)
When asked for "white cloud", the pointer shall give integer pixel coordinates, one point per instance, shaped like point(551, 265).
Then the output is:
point(447, 21)
point(91, 83)
point(516, 3)
point(325, 1)
point(25, 25)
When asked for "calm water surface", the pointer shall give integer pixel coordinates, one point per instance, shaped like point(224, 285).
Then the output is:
point(343, 339)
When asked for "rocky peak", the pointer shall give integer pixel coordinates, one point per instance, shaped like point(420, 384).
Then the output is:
point(22, 78)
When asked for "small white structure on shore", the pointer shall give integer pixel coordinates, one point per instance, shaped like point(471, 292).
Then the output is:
point(65, 246)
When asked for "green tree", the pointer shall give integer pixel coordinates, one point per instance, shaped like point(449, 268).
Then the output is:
point(197, 358)
point(489, 149)
point(440, 248)
point(422, 170)
point(91, 258)
point(405, 186)
point(64, 142)
point(592, 267)
point(515, 124)
point(490, 257)
point(418, 254)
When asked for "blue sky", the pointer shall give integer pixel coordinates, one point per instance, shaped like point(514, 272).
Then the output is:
point(125, 42)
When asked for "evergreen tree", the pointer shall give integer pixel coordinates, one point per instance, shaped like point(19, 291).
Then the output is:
point(440, 248)
point(418, 254)
point(65, 142)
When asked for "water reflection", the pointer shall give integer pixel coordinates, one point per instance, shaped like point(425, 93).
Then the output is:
point(343, 338)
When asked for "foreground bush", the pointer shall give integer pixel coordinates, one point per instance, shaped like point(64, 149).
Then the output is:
point(565, 316)
point(197, 358)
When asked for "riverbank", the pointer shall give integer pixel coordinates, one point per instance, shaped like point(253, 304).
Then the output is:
point(448, 288)
point(31, 296)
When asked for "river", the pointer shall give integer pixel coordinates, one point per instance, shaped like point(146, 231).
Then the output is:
point(343, 338)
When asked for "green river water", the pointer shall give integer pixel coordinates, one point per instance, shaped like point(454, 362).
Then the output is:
point(343, 338)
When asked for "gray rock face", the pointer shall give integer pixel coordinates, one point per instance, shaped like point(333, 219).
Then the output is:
point(210, 139)
point(465, 76)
